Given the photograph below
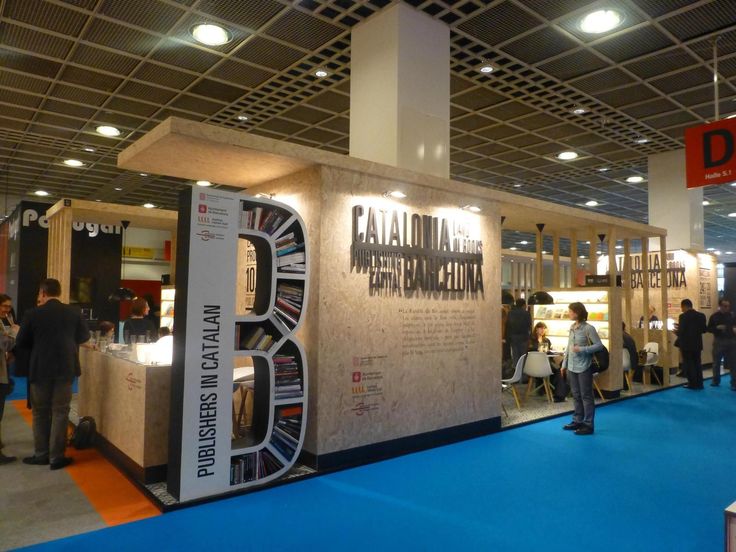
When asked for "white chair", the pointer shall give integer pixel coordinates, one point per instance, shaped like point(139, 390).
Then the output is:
point(537, 366)
point(626, 364)
point(508, 384)
point(596, 387)
point(652, 349)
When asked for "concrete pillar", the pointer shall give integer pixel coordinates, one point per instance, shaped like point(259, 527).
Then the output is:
point(672, 205)
point(400, 91)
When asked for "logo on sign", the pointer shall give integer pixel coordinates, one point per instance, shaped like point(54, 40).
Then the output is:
point(202, 208)
point(356, 377)
point(206, 235)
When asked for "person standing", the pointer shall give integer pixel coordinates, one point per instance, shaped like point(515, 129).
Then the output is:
point(518, 330)
point(630, 346)
point(582, 342)
point(51, 333)
point(8, 331)
point(137, 327)
point(721, 325)
point(690, 329)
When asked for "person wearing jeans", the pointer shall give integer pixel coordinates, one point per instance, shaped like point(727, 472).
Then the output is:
point(51, 333)
point(583, 341)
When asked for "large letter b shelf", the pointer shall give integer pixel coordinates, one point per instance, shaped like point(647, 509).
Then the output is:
point(222, 351)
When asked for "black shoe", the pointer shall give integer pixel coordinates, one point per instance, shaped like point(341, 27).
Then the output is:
point(572, 426)
point(6, 459)
point(584, 430)
point(559, 399)
point(36, 461)
point(63, 463)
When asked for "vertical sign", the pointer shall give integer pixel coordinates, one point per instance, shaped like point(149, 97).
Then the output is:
point(710, 157)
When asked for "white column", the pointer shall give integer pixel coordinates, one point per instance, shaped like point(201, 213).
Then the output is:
point(400, 91)
point(672, 205)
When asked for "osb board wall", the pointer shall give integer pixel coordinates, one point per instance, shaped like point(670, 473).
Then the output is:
point(302, 191)
point(394, 365)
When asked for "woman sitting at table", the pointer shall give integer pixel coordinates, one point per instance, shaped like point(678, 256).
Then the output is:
point(540, 342)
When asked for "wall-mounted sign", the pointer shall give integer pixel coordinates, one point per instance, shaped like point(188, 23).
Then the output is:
point(404, 253)
point(676, 277)
point(710, 153)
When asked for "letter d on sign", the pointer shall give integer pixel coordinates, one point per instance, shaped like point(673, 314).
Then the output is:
point(711, 145)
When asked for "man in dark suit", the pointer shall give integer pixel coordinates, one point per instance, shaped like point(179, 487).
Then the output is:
point(51, 333)
point(690, 330)
point(518, 330)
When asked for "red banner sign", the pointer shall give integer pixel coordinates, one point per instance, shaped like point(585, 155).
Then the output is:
point(710, 153)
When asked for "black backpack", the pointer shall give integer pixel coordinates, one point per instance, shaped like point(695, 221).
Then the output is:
point(84, 434)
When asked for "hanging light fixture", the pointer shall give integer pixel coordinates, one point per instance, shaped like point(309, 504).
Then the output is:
point(122, 293)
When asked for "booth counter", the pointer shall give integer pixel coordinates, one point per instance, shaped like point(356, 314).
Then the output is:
point(130, 404)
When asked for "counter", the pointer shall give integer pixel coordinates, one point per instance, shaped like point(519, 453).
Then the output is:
point(130, 404)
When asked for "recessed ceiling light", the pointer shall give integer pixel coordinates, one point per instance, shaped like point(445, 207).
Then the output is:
point(729, 252)
point(716, 252)
point(242, 117)
point(601, 21)
point(88, 149)
point(619, 247)
point(711, 249)
point(592, 203)
point(733, 184)
point(520, 185)
point(567, 155)
point(73, 163)
point(149, 205)
point(98, 200)
point(603, 169)
point(107, 130)
point(472, 208)
point(486, 68)
point(732, 116)
point(579, 111)
point(732, 215)
point(544, 252)
point(599, 252)
point(396, 194)
point(211, 35)
point(706, 202)
point(42, 193)
point(118, 189)
point(523, 242)
point(641, 140)
point(635, 179)
point(204, 183)
point(582, 257)
point(321, 73)
point(513, 248)
point(142, 174)
point(587, 243)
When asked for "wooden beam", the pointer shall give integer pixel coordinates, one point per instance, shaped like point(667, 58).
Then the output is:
point(664, 350)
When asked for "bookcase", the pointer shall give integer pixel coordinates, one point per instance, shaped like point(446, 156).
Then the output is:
point(266, 335)
point(168, 294)
point(597, 303)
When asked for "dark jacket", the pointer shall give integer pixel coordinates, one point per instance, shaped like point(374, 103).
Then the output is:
point(630, 345)
point(52, 334)
point(690, 330)
point(518, 323)
point(719, 318)
point(534, 344)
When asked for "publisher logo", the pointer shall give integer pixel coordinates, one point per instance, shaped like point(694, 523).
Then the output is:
point(206, 235)
point(202, 196)
point(356, 377)
point(202, 208)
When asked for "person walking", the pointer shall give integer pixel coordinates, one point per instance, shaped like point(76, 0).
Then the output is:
point(8, 331)
point(721, 325)
point(518, 330)
point(690, 329)
point(582, 342)
point(51, 333)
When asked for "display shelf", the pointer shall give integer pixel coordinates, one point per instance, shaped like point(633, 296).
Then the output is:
point(555, 316)
point(280, 369)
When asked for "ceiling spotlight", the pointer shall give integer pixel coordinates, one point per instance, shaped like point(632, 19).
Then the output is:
point(732, 215)
point(711, 249)
point(513, 248)
point(472, 208)
point(582, 257)
point(486, 68)
point(42, 193)
point(321, 73)
point(706, 203)
point(396, 194)
point(619, 247)
point(211, 35)
point(567, 155)
point(242, 117)
point(579, 111)
point(88, 149)
point(523, 242)
point(518, 185)
point(118, 189)
point(635, 179)
point(729, 252)
point(142, 174)
point(149, 205)
point(73, 163)
point(204, 183)
point(107, 130)
point(603, 169)
point(641, 140)
point(592, 203)
point(601, 21)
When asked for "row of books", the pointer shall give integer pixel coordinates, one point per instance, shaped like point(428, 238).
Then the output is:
point(263, 219)
point(287, 379)
point(255, 465)
point(289, 298)
point(257, 340)
point(287, 430)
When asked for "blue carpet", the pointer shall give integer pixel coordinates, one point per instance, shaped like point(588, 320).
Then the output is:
point(656, 476)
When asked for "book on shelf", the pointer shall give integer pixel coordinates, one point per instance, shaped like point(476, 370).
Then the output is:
point(291, 258)
point(263, 219)
point(257, 340)
point(299, 268)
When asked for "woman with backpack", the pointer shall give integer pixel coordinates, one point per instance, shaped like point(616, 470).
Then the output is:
point(582, 342)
